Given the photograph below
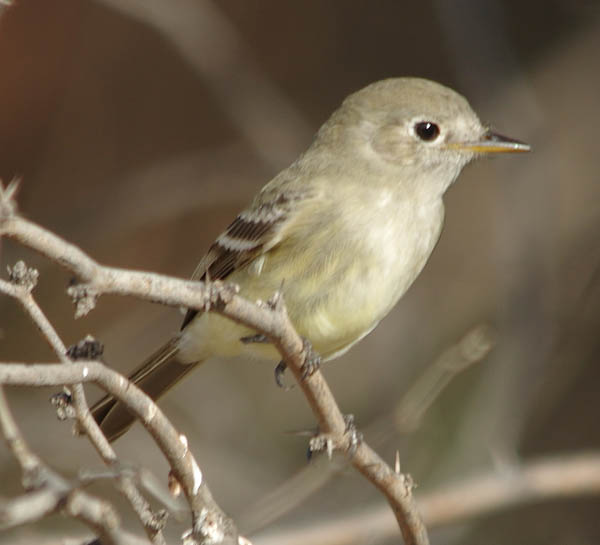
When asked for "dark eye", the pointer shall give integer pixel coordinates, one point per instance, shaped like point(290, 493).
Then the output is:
point(427, 131)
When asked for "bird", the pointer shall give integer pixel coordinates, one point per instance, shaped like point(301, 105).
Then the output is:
point(342, 232)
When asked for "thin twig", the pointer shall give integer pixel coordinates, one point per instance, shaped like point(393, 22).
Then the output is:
point(406, 417)
point(270, 320)
point(52, 493)
point(125, 484)
point(545, 479)
point(206, 513)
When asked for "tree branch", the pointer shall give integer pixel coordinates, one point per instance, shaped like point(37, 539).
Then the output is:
point(206, 513)
point(487, 492)
point(52, 492)
point(23, 282)
point(270, 320)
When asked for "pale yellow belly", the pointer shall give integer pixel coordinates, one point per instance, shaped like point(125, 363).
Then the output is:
point(333, 298)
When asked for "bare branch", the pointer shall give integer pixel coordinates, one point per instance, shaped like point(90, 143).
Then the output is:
point(28, 508)
point(269, 319)
point(406, 417)
point(23, 282)
point(481, 494)
point(206, 513)
point(54, 493)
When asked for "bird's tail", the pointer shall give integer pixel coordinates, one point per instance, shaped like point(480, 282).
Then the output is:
point(155, 376)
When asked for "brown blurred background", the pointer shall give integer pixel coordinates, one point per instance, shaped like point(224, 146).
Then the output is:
point(140, 127)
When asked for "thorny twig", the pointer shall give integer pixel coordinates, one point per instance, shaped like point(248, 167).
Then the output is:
point(270, 320)
point(48, 492)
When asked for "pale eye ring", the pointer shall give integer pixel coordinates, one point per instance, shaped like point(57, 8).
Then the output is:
point(427, 130)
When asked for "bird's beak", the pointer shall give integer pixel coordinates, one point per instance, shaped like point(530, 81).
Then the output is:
point(494, 143)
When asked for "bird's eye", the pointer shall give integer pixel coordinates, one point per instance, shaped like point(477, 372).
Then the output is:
point(427, 131)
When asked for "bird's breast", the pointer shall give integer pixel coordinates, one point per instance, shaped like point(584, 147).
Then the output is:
point(339, 278)
point(365, 266)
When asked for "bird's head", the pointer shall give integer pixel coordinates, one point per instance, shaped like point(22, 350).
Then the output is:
point(425, 130)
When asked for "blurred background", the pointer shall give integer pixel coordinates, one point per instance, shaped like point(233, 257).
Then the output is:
point(141, 127)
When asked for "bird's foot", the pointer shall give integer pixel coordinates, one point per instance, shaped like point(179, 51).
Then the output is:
point(355, 437)
point(350, 441)
point(279, 372)
point(312, 360)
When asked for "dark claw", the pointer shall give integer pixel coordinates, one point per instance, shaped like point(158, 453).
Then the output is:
point(258, 338)
point(312, 360)
point(279, 371)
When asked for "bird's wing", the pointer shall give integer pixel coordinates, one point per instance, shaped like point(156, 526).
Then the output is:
point(253, 232)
